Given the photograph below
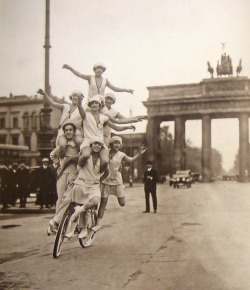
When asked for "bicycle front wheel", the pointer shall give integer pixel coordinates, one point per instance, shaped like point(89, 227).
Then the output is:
point(60, 235)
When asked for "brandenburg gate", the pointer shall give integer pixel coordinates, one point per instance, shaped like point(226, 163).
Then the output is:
point(215, 98)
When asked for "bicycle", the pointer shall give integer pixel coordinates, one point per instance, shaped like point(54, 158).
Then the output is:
point(63, 225)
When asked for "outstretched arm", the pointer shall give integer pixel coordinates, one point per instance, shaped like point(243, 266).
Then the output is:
point(142, 150)
point(116, 89)
point(140, 117)
point(49, 99)
point(124, 120)
point(80, 107)
point(119, 128)
point(80, 75)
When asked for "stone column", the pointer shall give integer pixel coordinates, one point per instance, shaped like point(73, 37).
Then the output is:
point(153, 137)
point(243, 148)
point(206, 149)
point(33, 142)
point(21, 139)
point(179, 143)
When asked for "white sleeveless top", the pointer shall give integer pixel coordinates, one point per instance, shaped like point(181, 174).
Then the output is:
point(94, 89)
point(70, 117)
point(115, 163)
point(91, 128)
point(89, 174)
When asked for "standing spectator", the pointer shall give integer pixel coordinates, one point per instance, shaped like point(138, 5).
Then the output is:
point(150, 180)
point(12, 184)
point(23, 181)
point(44, 179)
point(4, 188)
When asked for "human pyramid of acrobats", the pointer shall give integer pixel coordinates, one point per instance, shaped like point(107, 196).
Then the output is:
point(89, 160)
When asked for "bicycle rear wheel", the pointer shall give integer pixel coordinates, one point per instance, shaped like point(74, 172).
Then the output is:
point(90, 238)
point(60, 235)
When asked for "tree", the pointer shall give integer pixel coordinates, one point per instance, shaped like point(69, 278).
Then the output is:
point(167, 151)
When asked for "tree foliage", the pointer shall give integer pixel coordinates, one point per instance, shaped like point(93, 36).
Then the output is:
point(192, 155)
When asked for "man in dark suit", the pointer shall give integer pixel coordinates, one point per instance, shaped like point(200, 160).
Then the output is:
point(23, 181)
point(12, 184)
point(150, 180)
point(44, 180)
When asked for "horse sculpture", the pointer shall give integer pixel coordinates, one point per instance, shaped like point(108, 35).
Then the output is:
point(210, 69)
point(239, 68)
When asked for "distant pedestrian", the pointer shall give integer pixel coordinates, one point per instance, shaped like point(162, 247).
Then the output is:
point(4, 188)
point(23, 181)
point(44, 179)
point(150, 180)
point(12, 184)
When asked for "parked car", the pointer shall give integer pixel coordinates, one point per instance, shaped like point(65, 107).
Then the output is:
point(181, 178)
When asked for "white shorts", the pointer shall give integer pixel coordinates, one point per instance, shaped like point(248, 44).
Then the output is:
point(107, 190)
point(82, 194)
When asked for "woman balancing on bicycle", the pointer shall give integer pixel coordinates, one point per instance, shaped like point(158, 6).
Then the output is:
point(86, 189)
point(113, 184)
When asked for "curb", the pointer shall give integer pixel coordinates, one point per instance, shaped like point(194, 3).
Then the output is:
point(27, 211)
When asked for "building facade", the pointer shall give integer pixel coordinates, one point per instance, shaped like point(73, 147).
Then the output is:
point(20, 123)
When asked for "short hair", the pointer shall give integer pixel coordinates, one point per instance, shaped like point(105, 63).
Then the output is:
point(71, 124)
point(149, 162)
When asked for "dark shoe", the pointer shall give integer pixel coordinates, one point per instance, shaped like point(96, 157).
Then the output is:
point(155, 211)
point(146, 211)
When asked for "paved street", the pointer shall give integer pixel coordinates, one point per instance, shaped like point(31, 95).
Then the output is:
point(199, 239)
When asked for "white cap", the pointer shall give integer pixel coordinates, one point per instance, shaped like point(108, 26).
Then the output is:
point(112, 96)
point(96, 139)
point(99, 64)
point(116, 138)
point(76, 92)
point(45, 160)
point(96, 98)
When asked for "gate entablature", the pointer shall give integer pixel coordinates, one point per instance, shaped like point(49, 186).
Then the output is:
point(221, 97)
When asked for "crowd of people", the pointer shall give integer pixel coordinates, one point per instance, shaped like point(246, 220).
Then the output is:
point(18, 181)
point(87, 154)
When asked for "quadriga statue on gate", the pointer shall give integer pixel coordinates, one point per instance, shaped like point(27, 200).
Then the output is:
point(225, 67)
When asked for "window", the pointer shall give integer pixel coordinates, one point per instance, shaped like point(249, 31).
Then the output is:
point(2, 123)
point(15, 140)
point(15, 122)
point(26, 121)
point(2, 139)
point(33, 121)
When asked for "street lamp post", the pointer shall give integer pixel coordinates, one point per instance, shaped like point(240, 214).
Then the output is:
point(130, 153)
point(46, 133)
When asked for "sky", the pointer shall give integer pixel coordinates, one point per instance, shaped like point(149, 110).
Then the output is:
point(143, 43)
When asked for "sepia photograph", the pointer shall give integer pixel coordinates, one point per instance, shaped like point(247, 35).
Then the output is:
point(124, 144)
